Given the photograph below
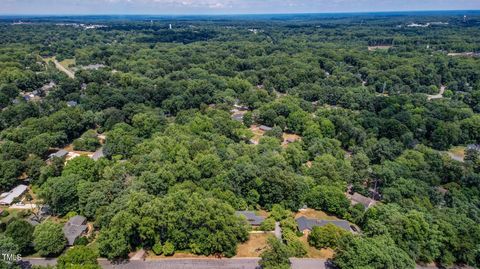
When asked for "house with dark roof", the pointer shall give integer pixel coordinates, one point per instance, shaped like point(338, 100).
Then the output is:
point(251, 217)
point(305, 225)
point(75, 228)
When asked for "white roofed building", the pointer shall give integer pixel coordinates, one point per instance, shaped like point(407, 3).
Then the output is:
point(8, 197)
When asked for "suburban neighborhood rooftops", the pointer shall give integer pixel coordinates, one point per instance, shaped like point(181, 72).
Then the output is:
point(60, 154)
point(8, 197)
point(251, 217)
point(305, 223)
point(74, 228)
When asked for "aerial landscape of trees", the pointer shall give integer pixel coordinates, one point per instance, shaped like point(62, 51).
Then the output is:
point(176, 165)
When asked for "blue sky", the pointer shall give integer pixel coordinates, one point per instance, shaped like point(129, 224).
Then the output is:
point(225, 6)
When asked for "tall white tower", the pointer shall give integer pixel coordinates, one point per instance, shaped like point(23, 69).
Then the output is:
point(170, 26)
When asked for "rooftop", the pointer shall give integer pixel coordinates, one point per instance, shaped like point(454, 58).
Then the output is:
point(305, 223)
point(8, 197)
point(74, 228)
point(60, 154)
point(357, 198)
point(98, 154)
point(251, 217)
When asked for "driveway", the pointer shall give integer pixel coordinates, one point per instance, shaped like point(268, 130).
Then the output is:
point(60, 67)
point(278, 230)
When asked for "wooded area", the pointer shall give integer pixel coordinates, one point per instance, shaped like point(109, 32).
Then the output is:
point(176, 165)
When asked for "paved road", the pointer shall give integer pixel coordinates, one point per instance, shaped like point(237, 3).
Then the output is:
point(439, 95)
point(60, 67)
point(207, 263)
point(247, 263)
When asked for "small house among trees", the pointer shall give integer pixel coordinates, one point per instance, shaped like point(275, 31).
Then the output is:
point(251, 217)
point(305, 225)
point(7, 198)
point(74, 228)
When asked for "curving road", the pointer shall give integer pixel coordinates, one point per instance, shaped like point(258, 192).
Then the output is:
point(437, 96)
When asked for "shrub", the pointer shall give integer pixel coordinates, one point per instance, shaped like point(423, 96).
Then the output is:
point(168, 249)
point(157, 249)
point(268, 225)
point(81, 241)
point(327, 236)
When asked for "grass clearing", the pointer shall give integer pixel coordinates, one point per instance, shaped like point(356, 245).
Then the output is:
point(315, 214)
point(255, 245)
point(324, 253)
point(67, 63)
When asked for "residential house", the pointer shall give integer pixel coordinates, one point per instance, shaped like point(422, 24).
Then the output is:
point(475, 147)
point(72, 103)
point(305, 225)
point(357, 198)
point(59, 154)
point(98, 154)
point(265, 128)
point(75, 228)
point(237, 117)
point(251, 217)
point(8, 197)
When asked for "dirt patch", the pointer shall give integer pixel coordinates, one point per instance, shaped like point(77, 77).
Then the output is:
point(255, 245)
point(315, 214)
point(290, 138)
point(257, 133)
point(324, 253)
point(458, 151)
point(69, 148)
point(372, 48)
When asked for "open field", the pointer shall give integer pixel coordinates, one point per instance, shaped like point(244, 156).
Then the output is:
point(254, 246)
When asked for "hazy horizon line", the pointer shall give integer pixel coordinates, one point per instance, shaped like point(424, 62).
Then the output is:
point(234, 14)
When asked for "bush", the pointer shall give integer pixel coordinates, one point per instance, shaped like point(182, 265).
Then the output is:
point(279, 212)
point(296, 247)
point(168, 249)
point(87, 142)
point(327, 236)
point(268, 225)
point(81, 241)
point(157, 249)
point(49, 239)
point(4, 214)
point(289, 223)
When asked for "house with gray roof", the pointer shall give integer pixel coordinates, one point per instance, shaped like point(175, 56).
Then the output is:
point(75, 228)
point(72, 103)
point(251, 217)
point(98, 154)
point(357, 198)
point(265, 128)
point(7, 198)
point(305, 225)
point(59, 154)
